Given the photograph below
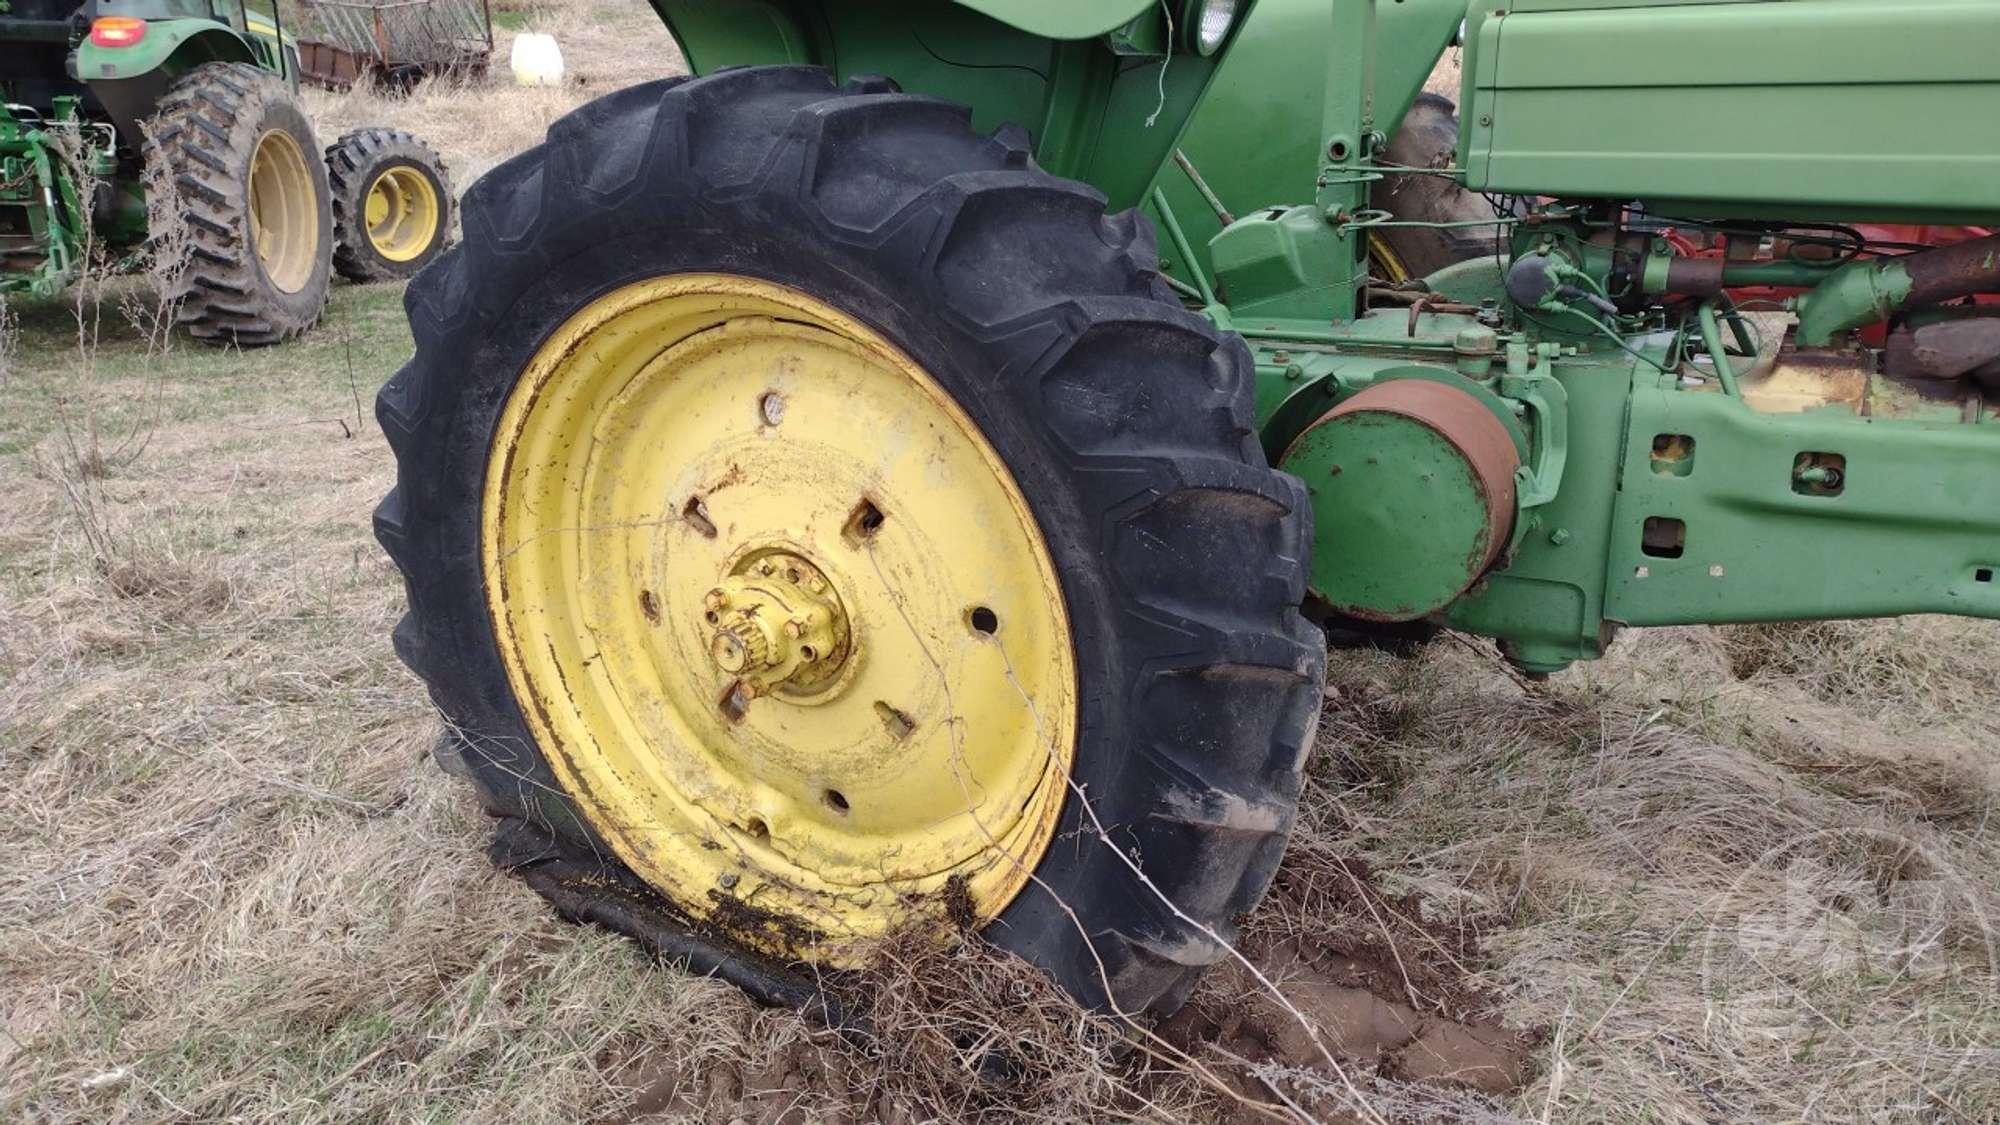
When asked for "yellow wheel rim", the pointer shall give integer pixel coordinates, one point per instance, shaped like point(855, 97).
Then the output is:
point(284, 211)
point(402, 214)
point(1387, 264)
point(778, 615)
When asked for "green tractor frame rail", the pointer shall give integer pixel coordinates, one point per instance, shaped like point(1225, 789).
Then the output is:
point(826, 499)
point(204, 94)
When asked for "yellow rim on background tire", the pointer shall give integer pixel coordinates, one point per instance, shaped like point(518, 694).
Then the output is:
point(402, 214)
point(1387, 263)
point(778, 615)
point(284, 211)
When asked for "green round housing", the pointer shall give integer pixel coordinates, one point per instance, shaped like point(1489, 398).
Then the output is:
point(1412, 486)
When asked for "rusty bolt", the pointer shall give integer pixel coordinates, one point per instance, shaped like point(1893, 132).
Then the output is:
point(795, 628)
point(728, 880)
point(715, 601)
point(767, 568)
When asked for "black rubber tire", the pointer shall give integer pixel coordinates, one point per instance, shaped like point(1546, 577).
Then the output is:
point(207, 130)
point(1428, 138)
point(1127, 423)
point(353, 165)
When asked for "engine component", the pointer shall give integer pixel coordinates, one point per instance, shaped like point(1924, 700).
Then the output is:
point(1412, 486)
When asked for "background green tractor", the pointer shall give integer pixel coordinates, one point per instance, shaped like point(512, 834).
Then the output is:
point(206, 93)
point(823, 512)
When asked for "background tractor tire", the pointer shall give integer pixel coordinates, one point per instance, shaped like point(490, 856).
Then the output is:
point(1428, 138)
point(392, 205)
point(253, 195)
point(1126, 422)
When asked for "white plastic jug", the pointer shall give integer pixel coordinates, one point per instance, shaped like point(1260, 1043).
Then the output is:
point(537, 60)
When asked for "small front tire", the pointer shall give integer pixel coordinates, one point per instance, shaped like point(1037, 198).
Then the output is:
point(392, 205)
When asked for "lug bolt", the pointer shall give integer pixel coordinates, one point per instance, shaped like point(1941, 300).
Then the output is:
point(715, 601)
point(795, 628)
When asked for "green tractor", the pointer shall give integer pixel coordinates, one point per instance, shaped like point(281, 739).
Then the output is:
point(890, 477)
point(205, 92)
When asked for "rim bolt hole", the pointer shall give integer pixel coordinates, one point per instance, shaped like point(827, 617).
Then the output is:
point(894, 721)
point(835, 800)
point(864, 521)
point(808, 653)
point(735, 701)
point(983, 620)
point(757, 828)
point(695, 514)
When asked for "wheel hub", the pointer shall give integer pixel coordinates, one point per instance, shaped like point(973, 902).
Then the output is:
point(284, 211)
point(402, 213)
point(776, 626)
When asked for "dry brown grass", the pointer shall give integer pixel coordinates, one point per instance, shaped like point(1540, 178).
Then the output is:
point(1729, 875)
point(476, 124)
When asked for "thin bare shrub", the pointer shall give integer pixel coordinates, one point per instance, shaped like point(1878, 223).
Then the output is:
point(82, 453)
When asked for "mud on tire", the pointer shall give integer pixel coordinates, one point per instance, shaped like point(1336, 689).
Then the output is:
point(207, 132)
point(1126, 422)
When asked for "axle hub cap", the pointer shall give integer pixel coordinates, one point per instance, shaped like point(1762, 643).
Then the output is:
point(777, 626)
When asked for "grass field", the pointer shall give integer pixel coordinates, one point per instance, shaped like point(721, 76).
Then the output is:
point(1725, 875)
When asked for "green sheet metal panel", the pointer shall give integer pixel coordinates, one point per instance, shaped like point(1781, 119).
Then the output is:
point(1099, 108)
point(1063, 19)
point(1256, 137)
point(1793, 109)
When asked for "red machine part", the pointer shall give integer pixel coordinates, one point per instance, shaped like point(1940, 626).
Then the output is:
point(1874, 335)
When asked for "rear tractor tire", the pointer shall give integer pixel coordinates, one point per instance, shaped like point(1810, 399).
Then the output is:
point(252, 193)
point(392, 205)
point(1428, 138)
point(805, 504)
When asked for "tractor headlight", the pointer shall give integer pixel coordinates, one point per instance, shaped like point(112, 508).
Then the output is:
point(1210, 22)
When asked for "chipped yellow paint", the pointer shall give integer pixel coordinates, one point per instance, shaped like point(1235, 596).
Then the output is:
point(1790, 388)
point(667, 443)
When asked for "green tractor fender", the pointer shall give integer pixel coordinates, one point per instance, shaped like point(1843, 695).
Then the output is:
point(131, 80)
point(170, 46)
point(1086, 80)
point(1104, 88)
point(1062, 19)
point(769, 32)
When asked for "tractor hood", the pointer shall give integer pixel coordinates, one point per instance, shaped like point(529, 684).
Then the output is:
point(1062, 19)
